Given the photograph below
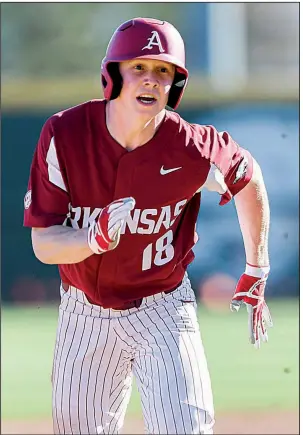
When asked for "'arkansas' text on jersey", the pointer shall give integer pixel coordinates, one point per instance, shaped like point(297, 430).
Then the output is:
point(79, 168)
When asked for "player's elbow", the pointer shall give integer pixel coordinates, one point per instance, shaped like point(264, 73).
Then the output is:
point(40, 246)
point(41, 255)
point(254, 193)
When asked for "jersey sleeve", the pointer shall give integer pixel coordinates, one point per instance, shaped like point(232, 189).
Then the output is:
point(46, 202)
point(231, 166)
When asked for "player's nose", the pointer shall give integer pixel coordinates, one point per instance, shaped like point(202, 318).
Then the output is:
point(151, 80)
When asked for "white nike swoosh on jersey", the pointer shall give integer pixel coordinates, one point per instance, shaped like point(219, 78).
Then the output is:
point(167, 171)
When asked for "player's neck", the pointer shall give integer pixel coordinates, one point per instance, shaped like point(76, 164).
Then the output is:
point(128, 131)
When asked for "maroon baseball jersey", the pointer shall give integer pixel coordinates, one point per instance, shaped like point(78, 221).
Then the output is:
point(78, 168)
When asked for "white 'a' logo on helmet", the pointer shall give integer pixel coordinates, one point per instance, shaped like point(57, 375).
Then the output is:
point(154, 40)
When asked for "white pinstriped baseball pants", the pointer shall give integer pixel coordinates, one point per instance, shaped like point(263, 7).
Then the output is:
point(98, 350)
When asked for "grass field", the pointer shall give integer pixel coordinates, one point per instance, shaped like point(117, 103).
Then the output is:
point(243, 378)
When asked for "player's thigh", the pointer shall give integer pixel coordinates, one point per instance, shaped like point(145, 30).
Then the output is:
point(172, 372)
point(91, 376)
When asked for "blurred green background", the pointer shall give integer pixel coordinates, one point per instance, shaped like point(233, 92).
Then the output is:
point(243, 60)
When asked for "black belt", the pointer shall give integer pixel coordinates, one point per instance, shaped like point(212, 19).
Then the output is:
point(129, 304)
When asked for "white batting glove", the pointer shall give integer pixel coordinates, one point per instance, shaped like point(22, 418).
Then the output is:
point(250, 291)
point(104, 234)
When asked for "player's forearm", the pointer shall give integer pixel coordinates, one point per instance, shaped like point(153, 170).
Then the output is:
point(60, 245)
point(254, 217)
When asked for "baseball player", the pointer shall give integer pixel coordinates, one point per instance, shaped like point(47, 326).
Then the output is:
point(113, 199)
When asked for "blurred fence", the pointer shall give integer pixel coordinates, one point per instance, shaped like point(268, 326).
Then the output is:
point(244, 77)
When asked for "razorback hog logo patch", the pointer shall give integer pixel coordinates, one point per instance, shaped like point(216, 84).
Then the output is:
point(242, 169)
point(28, 199)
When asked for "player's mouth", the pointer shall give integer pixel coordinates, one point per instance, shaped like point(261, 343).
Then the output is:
point(146, 99)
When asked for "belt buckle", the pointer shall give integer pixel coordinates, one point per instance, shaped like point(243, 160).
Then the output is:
point(136, 303)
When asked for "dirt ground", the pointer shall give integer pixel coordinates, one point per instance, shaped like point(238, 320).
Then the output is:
point(250, 424)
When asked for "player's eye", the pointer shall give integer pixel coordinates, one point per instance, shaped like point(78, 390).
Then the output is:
point(163, 69)
point(139, 67)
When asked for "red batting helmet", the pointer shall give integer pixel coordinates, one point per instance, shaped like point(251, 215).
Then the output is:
point(144, 38)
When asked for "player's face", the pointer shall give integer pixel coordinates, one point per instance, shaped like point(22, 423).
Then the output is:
point(146, 85)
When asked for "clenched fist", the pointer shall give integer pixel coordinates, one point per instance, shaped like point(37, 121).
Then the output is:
point(250, 291)
point(104, 234)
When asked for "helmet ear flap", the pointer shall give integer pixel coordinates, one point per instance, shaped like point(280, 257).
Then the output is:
point(177, 89)
point(179, 80)
point(114, 73)
point(104, 81)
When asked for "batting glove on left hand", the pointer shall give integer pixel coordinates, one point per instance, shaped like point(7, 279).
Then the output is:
point(250, 291)
point(104, 234)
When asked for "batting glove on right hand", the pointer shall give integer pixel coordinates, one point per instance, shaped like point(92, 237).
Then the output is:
point(250, 291)
point(104, 234)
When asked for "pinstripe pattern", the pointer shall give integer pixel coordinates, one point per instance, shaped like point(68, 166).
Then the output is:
point(98, 350)
point(86, 387)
